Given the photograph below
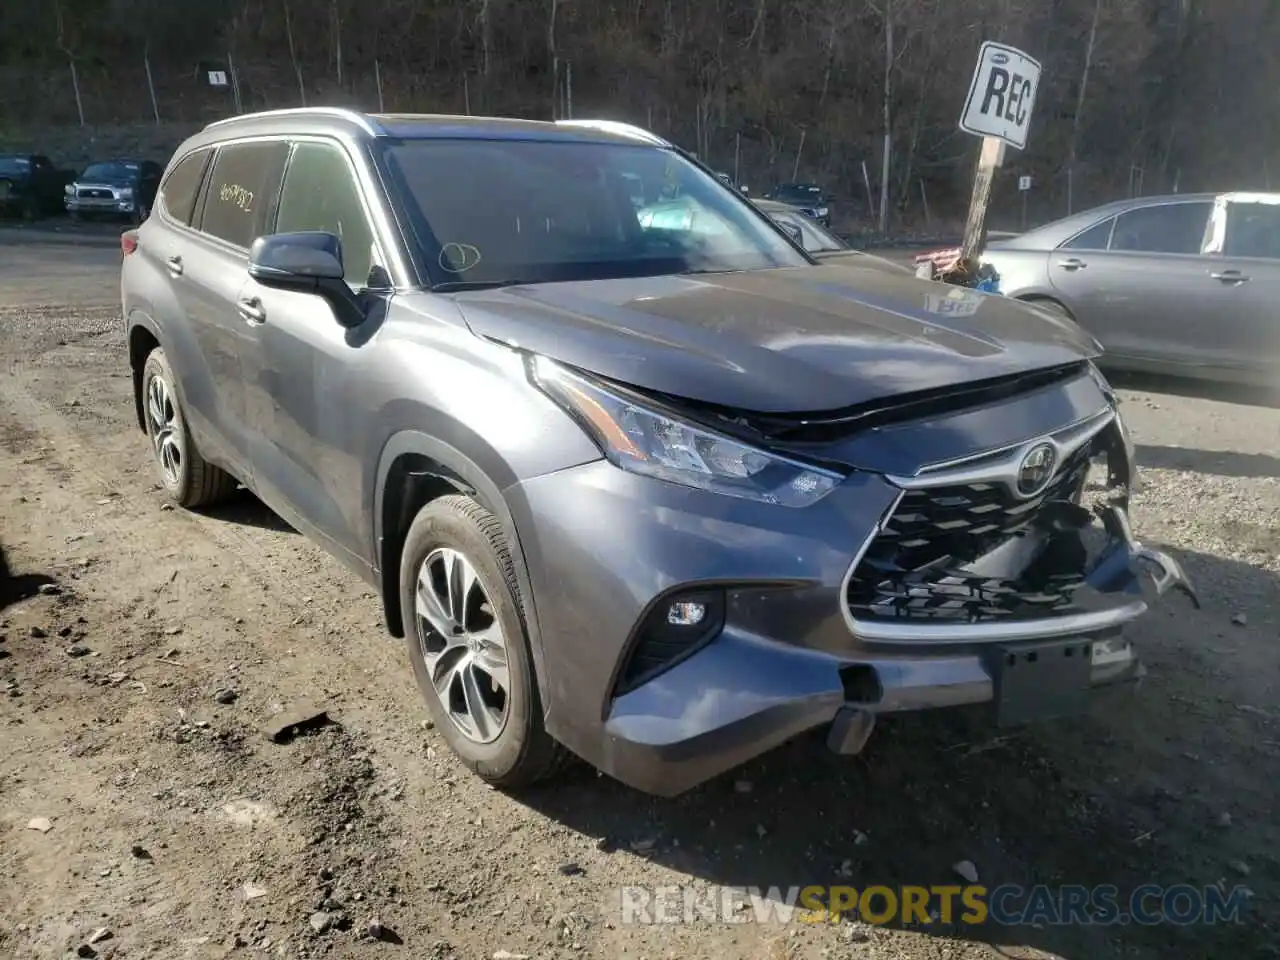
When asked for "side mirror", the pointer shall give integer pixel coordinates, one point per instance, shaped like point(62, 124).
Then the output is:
point(308, 262)
point(792, 231)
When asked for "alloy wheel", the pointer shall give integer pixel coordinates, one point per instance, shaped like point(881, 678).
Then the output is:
point(462, 644)
point(165, 433)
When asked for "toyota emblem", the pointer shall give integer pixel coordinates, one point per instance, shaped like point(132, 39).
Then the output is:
point(1036, 469)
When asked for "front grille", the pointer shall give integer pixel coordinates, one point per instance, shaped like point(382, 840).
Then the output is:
point(96, 194)
point(915, 568)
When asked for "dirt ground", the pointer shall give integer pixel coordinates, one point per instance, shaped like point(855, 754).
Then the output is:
point(146, 652)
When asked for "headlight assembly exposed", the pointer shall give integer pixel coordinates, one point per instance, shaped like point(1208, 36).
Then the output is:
point(646, 441)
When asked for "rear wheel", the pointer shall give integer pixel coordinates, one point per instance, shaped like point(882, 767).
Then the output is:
point(468, 643)
point(186, 477)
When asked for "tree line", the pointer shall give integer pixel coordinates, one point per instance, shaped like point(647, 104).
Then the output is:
point(862, 95)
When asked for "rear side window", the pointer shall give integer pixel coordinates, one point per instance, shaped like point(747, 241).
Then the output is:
point(1166, 228)
point(1095, 238)
point(242, 187)
point(179, 191)
point(1253, 230)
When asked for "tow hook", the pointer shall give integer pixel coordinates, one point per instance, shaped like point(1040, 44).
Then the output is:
point(1168, 573)
point(850, 730)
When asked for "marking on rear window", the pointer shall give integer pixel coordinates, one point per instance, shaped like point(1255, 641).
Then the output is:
point(238, 195)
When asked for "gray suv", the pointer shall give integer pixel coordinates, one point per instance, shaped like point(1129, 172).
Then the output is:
point(637, 478)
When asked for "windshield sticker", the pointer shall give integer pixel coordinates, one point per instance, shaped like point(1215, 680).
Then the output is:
point(459, 257)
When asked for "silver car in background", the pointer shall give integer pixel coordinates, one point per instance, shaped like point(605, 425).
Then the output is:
point(819, 242)
point(1184, 284)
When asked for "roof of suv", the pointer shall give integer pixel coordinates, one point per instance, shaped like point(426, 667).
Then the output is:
point(423, 126)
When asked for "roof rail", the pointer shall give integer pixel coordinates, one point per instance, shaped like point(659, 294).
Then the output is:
point(616, 126)
point(338, 113)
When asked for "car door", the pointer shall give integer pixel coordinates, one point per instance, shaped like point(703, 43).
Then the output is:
point(209, 266)
point(1141, 295)
point(302, 372)
point(1245, 285)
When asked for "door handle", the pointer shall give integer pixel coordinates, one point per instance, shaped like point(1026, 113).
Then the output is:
point(175, 266)
point(1229, 276)
point(1072, 263)
point(251, 309)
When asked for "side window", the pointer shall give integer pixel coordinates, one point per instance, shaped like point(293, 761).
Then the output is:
point(1253, 230)
point(242, 186)
point(179, 190)
point(321, 193)
point(1165, 228)
point(1095, 238)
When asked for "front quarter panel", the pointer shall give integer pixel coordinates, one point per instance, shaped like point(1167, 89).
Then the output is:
point(431, 375)
point(463, 409)
point(1023, 273)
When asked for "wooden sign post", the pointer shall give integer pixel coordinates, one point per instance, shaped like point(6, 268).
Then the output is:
point(975, 227)
point(1001, 98)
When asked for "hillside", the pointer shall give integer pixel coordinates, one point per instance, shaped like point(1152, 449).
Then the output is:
point(1137, 95)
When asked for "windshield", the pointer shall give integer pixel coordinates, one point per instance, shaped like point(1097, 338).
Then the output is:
point(812, 236)
point(798, 193)
point(518, 211)
point(110, 171)
point(14, 165)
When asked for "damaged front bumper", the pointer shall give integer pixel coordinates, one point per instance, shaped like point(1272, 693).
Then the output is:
point(929, 624)
point(1125, 580)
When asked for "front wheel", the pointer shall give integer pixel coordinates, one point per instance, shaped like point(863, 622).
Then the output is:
point(468, 644)
point(188, 479)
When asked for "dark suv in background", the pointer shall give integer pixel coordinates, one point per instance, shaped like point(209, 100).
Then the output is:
point(635, 476)
point(31, 186)
point(812, 200)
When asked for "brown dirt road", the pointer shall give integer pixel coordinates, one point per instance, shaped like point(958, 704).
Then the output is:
point(134, 693)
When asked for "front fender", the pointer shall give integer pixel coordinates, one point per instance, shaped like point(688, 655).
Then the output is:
point(464, 473)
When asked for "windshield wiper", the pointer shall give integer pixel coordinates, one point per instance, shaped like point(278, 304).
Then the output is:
point(454, 286)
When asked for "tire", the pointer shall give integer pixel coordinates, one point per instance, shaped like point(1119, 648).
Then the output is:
point(499, 738)
point(187, 478)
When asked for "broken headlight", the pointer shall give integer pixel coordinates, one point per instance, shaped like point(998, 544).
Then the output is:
point(641, 439)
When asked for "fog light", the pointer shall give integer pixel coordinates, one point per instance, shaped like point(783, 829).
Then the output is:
point(686, 613)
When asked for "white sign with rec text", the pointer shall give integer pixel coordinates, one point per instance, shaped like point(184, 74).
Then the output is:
point(1002, 95)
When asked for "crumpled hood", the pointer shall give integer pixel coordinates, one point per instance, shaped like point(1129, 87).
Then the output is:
point(792, 340)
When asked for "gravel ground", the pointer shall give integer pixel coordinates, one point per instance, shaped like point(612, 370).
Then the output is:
point(141, 791)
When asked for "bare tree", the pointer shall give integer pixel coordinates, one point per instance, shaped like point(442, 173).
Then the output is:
point(63, 45)
point(293, 54)
point(1074, 142)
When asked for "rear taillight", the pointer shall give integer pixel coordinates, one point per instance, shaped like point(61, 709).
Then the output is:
point(129, 241)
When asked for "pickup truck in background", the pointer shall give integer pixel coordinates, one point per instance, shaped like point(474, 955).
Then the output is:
point(1185, 284)
point(31, 186)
